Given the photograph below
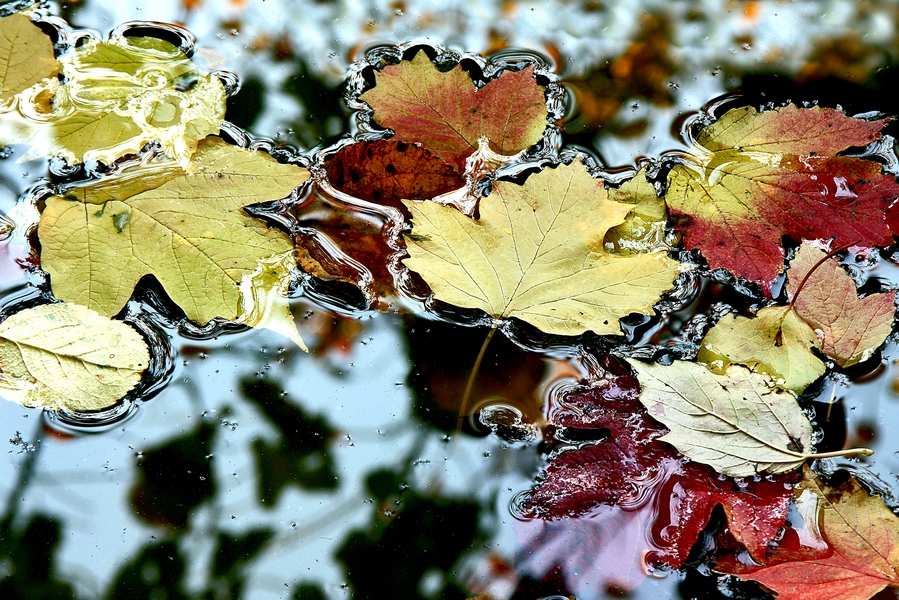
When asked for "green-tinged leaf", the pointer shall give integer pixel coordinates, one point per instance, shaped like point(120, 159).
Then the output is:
point(448, 115)
point(739, 422)
point(851, 327)
point(26, 55)
point(776, 341)
point(189, 231)
point(643, 229)
point(536, 254)
point(122, 93)
point(66, 356)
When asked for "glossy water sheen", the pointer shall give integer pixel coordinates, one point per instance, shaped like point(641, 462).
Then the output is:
point(368, 417)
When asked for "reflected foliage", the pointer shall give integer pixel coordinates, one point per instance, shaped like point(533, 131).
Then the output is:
point(175, 478)
point(233, 556)
point(301, 456)
point(411, 545)
point(157, 572)
point(27, 561)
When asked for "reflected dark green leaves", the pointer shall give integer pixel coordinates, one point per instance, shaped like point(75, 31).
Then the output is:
point(27, 561)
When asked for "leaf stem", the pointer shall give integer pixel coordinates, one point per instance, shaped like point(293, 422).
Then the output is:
point(463, 408)
point(850, 452)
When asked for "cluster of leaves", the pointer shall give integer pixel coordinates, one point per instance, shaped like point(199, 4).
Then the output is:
point(560, 249)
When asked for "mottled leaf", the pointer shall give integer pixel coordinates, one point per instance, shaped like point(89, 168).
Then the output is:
point(26, 55)
point(447, 114)
point(186, 228)
point(122, 93)
point(66, 356)
point(864, 537)
point(757, 177)
point(536, 253)
point(738, 422)
point(851, 327)
point(776, 341)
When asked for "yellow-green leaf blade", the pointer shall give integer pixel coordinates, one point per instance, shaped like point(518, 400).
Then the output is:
point(737, 422)
point(125, 92)
point(190, 232)
point(536, 253)
point(26, 55)
point(776, 342)
point(851, 327)
point(68, 356)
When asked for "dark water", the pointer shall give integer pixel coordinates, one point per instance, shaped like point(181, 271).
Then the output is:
point(249, 469)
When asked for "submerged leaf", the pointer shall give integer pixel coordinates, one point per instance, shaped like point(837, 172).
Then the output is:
point(851, 327)
point(448, 115)
point(643, 229)
point(536, 254)
point(864, 537)
point(761, 176)
point(776, 341)
point(26, 55)
point(186, 228)
point(738, 422)
point(66, 356)
point(125, 92)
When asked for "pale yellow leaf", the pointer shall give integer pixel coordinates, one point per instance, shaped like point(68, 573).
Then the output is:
point(26, 55)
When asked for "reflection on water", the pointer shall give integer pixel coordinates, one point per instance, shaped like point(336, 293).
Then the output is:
point(262, 472)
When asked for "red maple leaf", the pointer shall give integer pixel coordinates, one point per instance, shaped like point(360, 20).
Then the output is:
point(631, 465)
point(759, 176)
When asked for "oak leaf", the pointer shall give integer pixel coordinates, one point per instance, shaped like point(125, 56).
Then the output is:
point(851, 327)
point(66, 356)
point(448, 115)
point(26, 55)
point(863, 535)
point(536, 254)
point(630, 466)
point(758, 176)
point(122, 93)
point(186, 228)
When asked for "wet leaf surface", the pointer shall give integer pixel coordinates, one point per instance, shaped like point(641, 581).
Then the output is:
point(26, 55)
point(536, 253)
point(189, 231)
point(448, 115)
point(758, 176)
point(66, 356)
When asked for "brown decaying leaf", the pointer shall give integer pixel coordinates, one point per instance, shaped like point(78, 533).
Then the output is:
point(851, 328)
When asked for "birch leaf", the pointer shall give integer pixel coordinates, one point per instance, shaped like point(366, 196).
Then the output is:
point(737, 422)
point(776, 341)
point(66, 356)
point(536, 254)
point(448, 115)
point(122, 93)
point(851, 327)
point(186, 228)
point(26, 55)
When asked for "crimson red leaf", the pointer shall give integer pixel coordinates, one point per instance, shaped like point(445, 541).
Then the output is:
point(631, 464)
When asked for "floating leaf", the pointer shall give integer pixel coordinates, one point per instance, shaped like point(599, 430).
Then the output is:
point(264, 295)
point(630, 462)
point(536, 254)
point(26, 55)
point(738, 422)
point(760, 176)
point(388, 171)
point(66, 356)
point(776, 341)
point(851, 328)
point(643, 229)
point(864, 536)
point(125, 92)
point(448, 115)
point(186, 228)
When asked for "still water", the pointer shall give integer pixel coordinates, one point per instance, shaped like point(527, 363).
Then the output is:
point(249, 469)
